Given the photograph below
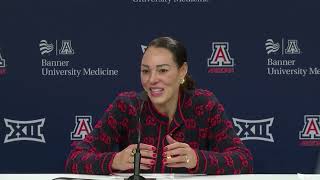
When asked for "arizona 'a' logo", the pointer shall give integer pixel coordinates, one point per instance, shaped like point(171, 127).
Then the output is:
point(311, 129)
point(66, 48)
point(24, 130)
point(220, 56)
point(292, 47)
point(143, 48)
point(254, 129)
point(83, 127)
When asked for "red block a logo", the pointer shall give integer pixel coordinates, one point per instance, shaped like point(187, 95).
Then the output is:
point(220, 56)
point(83, 127)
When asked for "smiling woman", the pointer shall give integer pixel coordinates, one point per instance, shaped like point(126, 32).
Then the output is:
point(184, 129)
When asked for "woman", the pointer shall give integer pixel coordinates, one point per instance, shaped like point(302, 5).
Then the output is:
point(183, 129)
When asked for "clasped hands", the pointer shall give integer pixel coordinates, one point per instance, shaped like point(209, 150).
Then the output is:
point(175, 154)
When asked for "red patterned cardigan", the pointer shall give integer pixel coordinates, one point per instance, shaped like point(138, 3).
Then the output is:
point(200, 121)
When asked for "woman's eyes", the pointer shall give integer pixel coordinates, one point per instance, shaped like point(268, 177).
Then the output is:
point(144, 71)
point(163, 70)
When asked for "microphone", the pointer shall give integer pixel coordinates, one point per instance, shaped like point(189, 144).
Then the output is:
point(137, 156)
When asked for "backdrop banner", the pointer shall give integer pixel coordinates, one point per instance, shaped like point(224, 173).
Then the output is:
point(63, 62)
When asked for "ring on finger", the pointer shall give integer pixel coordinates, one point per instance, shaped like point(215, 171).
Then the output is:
point(133, 152)
point(187, 159)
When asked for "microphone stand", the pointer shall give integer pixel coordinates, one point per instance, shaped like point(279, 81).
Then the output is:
point(136, 170)
point(137, 156)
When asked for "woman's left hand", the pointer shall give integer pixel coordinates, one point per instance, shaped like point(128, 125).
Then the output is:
point(178, 154)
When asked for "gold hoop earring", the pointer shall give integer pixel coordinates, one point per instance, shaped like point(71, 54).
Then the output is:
point(182, 81)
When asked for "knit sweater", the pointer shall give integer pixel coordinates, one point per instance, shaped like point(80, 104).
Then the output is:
point(200, 121)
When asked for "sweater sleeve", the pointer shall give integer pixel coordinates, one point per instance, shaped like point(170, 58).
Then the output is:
point(94, 155)
point(226, 154)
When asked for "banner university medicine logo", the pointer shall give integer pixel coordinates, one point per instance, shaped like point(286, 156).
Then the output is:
point(310, 134)
point(220, 60)
point(83, 127)
point(47, 48)
point(254, 129)
point(24, 130)
point(292, 46)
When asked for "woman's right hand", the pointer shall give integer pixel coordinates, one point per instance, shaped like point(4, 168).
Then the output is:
point(124, 159)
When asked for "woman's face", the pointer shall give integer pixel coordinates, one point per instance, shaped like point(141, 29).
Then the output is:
point(160, 75)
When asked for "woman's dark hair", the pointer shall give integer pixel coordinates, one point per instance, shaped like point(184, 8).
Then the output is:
point(179, 53)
